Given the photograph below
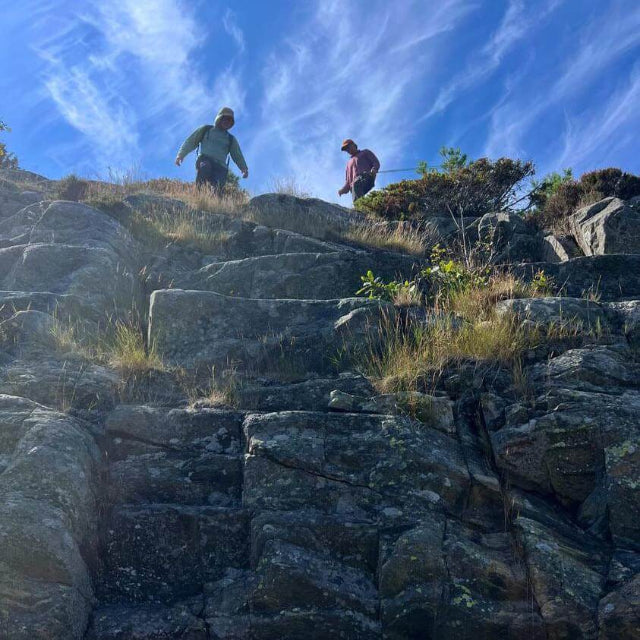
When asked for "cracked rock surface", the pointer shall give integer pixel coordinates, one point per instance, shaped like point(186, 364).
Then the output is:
point(315, 507)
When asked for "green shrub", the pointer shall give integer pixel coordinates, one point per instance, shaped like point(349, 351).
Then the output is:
point(447, 277)
point(461, 188)
point(376, 288)
point(71, 188)
point(554, 212)
point(548, 186)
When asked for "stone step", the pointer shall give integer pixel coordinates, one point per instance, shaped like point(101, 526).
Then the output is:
point(160, 475)
point(204, 331)
point(322, 276)
point(163, 552)
point(149, 621)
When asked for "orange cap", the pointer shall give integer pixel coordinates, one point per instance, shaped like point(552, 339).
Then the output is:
point(346, 143)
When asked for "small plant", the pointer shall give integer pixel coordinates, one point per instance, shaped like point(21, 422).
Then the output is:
point(374, 288)
point(542, 284)
point(447, 277)
point(8, 160)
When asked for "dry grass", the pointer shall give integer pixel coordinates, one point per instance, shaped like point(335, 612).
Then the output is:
point(463, 326)
point(402, 239)
point(414, 357)
point(479, 302)
point(288, 186)
point(67, 339)
point(186, 221)
point(125, 350)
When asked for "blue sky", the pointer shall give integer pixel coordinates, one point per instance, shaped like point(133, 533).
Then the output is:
point(96, 87)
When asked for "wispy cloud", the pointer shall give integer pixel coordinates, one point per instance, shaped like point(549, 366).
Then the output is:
point(600, 44)
point(139, 67)
point(516, 23)
point(344, 74)
point(232, 28)
point(589, 140)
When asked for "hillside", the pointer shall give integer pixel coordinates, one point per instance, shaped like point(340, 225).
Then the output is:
point(201, 436)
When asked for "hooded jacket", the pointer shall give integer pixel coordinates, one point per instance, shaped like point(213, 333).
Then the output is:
point(215, 143)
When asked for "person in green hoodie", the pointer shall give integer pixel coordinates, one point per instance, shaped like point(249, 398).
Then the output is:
point(215, 145)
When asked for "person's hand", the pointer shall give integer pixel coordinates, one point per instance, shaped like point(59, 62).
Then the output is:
point(245, 174)
point(178, 161)
point(340, 192)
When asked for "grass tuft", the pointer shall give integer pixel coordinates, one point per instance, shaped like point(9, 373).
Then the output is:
point(126, 351)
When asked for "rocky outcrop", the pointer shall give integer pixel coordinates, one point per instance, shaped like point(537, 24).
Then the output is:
point(608, 226)
point(308, 216)
point(506, 237)
point(496, 503)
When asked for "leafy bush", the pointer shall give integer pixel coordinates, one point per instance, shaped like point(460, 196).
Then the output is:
point(459, 188)
point(8, 160)
point(548, 186)
point(71, 188)
point(376, 288)
point(554, 212)
point(447, 277)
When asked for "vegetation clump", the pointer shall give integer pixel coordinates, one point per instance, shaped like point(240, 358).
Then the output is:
point(458, 187)
point(459, 321)
point(8, 160)
point(560, 196)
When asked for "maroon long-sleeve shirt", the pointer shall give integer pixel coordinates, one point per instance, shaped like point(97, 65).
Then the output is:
point(362, 162)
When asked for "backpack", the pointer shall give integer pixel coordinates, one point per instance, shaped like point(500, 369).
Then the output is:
point(205, 131)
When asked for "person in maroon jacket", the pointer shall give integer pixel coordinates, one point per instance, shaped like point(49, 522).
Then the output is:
point(361, 170)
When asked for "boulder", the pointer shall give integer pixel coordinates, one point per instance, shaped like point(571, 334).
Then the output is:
point(566, 570)
point(13, 198)
point(310, 395)
point(147, 621)
point(435, 411)
point(608, 226)
point(625, 318)
point(442, 576)
point(509, 237)
point(70, 224)
point(559, 248)
point(618, 612)
point(165, 552)
point(586, 406)
point(202, 330)
point(48, 530)
point(358, 466)
point(308, 216)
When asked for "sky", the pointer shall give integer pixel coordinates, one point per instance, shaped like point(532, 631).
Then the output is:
point(111, 89)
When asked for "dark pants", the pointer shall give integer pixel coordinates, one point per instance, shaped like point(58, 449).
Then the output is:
point(210, 172)
point(362, 185)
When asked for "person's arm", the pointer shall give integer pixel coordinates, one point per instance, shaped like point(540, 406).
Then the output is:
point(345, 188)
point(238, 158)
point(190, 144)
point(374, 161)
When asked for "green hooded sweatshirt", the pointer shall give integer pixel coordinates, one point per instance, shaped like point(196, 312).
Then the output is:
point(215, 143)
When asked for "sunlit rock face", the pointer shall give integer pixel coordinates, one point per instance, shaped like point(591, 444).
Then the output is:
point(255, 483)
